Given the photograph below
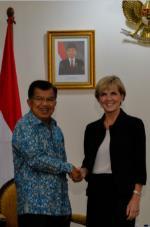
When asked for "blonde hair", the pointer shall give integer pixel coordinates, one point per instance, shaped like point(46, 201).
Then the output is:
point(108, 81)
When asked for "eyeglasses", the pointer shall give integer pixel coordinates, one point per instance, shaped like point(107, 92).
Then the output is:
point(41, 99)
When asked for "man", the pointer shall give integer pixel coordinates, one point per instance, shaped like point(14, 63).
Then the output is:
point(40, 162)
point(71, 65)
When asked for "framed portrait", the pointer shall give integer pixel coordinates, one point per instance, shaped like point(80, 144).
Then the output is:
point(71, 59)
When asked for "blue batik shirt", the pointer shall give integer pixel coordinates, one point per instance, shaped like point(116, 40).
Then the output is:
point(40, 166)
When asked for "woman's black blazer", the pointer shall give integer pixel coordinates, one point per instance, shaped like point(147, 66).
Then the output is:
point(127, 149)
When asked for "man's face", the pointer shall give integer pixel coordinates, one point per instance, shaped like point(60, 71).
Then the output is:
point(71, 52)
point(42, 104)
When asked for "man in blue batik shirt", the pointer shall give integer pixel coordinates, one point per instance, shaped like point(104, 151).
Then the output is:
point(40, 163)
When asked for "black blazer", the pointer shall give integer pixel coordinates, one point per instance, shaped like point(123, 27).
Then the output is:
point(65, 69)
point(127, 149)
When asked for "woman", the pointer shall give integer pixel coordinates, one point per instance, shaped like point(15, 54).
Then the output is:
point(114, 162)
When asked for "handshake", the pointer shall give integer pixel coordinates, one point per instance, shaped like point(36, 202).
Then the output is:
point(78, 174)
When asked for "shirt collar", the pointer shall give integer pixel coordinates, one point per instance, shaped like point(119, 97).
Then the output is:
point(35, 121)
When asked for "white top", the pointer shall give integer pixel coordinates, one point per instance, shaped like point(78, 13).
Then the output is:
point(102, 162)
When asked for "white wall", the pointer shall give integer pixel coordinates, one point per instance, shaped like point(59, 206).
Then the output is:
point(114, 55)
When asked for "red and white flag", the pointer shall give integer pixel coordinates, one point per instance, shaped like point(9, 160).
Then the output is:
point(61, 50)
point(10, 108)
point(60, 54)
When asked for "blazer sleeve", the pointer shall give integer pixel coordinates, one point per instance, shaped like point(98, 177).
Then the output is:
point(92, 140)
point(87, 148)
point(140, 155)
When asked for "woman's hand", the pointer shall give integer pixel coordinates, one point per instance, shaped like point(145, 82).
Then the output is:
point(133, 207)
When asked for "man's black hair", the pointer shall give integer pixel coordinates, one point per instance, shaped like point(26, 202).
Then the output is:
point(41, 84)
point(71, 45)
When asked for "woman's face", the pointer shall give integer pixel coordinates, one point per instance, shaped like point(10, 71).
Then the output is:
point(111, 99)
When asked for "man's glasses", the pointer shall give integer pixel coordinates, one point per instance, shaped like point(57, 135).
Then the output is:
point(41, 99)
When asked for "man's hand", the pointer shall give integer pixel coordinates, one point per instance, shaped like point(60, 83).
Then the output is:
point(77, 174)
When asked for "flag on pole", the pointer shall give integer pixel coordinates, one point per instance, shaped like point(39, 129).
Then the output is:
point(10, 108)
point(9, 94)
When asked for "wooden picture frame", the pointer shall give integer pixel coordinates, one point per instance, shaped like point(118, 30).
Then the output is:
point(62, 46)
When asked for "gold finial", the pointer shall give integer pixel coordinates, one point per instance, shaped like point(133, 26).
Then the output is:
point(10, 14)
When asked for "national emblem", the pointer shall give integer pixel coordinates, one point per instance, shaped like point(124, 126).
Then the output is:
point(138, 14)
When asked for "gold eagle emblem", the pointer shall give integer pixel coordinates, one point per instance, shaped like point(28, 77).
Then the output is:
point(137, 14)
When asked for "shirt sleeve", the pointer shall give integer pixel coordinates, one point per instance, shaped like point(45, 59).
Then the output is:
point(27, 149)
